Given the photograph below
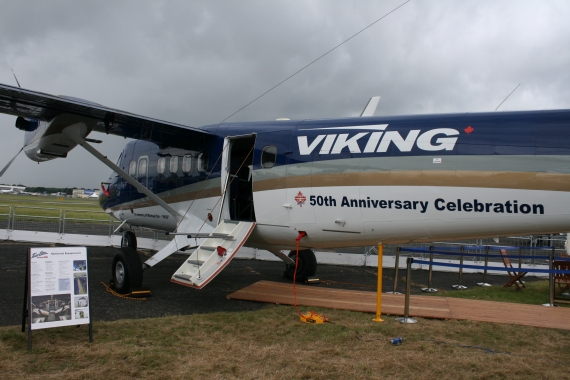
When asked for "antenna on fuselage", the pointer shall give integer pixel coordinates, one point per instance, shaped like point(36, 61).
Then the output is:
point(507, 97)
point(370, 108)
point(16, 78)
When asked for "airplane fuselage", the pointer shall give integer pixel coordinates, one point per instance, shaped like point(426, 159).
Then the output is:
point(358, 181)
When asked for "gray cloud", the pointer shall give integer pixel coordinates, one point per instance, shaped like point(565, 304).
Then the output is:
point(197, 62)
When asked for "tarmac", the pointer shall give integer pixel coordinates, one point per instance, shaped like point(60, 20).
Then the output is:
point(172, 299)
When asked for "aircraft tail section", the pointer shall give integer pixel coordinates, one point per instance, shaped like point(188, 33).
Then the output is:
point(213, 254)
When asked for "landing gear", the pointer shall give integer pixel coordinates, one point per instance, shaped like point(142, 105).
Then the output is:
point(127, 270)
point(129, 240)
point(307, 266)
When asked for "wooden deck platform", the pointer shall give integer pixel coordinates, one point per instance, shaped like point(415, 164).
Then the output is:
point(420, 306)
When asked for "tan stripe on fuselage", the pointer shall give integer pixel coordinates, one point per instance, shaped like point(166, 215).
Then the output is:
point(451, 178)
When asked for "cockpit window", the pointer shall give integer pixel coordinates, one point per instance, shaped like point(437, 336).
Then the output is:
point(268, 156)
point(161, 165)
point(133, 168)
point(174, 164)
point(187, 164)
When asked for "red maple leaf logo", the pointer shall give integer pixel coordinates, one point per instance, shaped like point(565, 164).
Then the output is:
point(300, 199)
point(469, 129)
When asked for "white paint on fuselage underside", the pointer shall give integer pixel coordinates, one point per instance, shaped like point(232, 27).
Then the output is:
point(365, 215)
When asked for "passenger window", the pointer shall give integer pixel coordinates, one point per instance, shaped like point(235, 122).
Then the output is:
point(187, 164)
point(174, 164)
point(161, 165)
point(268, 156)
point(133, 168)
point(143, 163)
point(202, 162)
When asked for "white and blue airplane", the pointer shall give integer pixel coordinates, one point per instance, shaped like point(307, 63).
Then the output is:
point(319, 183)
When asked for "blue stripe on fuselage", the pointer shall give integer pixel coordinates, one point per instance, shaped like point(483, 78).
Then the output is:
point(492, 133)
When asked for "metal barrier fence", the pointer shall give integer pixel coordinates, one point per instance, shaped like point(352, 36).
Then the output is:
point(5, 216)
point(28, 218)
point(79, 222)
point(527, 242)
point(66, 221)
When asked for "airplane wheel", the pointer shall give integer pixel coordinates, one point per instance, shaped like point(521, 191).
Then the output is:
point(129, 240)
point(307, 265)
point(127, 270)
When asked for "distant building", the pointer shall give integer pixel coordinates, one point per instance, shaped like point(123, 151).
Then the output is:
point(87, 193)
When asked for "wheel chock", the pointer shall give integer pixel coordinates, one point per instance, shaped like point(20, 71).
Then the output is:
point(313, 318)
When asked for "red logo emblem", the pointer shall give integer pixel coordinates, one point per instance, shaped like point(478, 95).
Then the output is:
point(469, 129)
point(300, 199)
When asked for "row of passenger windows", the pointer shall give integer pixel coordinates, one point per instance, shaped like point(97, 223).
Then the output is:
point(170, 162)
point(268, 158)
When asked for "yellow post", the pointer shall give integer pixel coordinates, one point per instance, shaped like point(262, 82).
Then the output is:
point(379, 289)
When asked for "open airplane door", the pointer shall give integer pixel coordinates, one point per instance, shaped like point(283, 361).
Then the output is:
point(236, 181)
point(270, 178)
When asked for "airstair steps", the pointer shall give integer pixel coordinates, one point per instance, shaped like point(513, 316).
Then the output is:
point(217, 250)
point(185, 277)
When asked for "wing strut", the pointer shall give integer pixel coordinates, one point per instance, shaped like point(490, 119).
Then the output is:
point(76, 133)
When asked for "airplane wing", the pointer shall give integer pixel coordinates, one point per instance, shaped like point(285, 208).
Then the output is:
point(37, 105)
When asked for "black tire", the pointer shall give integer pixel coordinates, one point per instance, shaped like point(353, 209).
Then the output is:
point(127, 270)
point(129, 240)
point(307, 265)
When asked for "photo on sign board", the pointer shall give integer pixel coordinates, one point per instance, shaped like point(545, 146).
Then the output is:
point(81, 313)
point(79, 265)
point(52, 308)
point(81, 301)
point(80, 283)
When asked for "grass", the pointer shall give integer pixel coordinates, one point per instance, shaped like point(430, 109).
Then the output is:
point(535, 293)
point(273, 344)
point(48, 206)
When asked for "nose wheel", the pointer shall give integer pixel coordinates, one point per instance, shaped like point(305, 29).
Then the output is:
point(127, 270)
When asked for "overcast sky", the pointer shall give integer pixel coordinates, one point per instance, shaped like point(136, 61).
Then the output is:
point(195, 63)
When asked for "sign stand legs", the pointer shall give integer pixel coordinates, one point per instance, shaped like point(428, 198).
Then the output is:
point(26, 312)
point(26, 301)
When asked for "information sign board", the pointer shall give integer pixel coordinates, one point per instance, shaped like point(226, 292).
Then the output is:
point(58, 287)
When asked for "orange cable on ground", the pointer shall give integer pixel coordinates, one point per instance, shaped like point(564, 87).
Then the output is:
point(124, 296)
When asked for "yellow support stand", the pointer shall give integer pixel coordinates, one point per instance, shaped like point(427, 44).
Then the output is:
point(379, 288)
